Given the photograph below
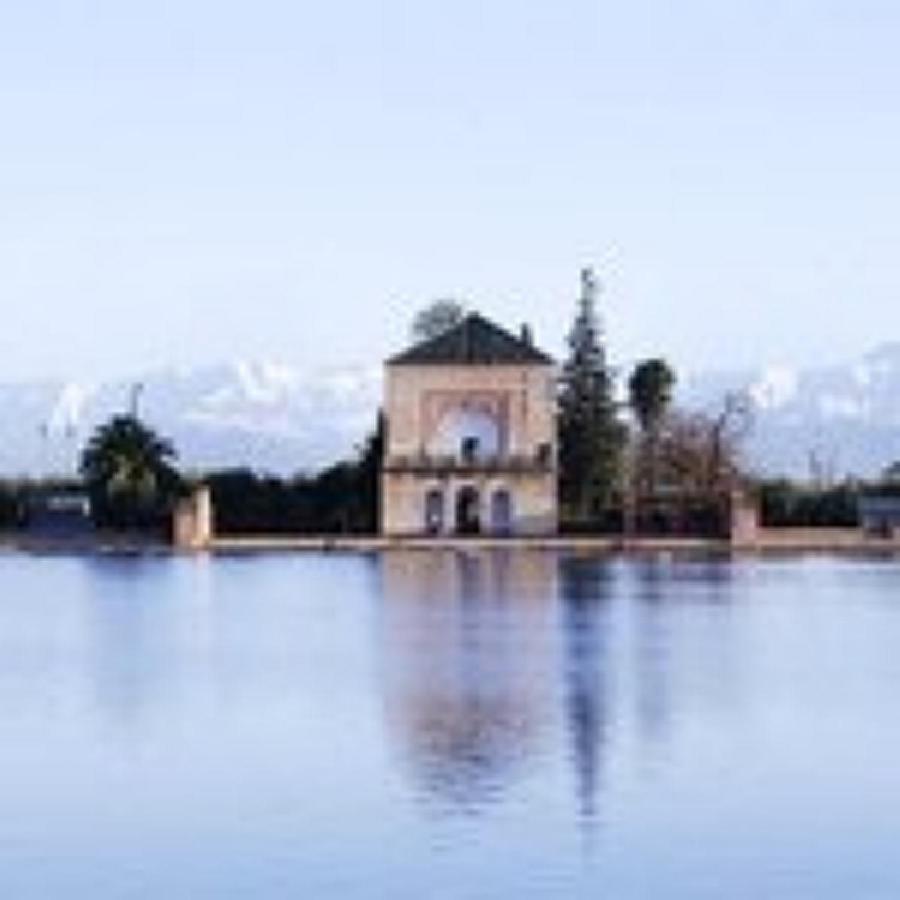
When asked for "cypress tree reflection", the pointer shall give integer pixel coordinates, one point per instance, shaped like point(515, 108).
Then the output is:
point(585, 590)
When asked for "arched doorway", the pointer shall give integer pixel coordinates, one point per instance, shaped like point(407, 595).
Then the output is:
point(501, 511)
point(468, 511)
point(434, 511)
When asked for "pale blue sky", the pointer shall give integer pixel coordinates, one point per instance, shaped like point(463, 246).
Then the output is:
point(191, 181)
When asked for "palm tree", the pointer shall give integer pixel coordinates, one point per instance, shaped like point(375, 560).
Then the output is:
point(649, 396)
point(650, 393)
point(129, 473)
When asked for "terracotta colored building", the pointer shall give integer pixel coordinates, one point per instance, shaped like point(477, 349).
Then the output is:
point(471, 435)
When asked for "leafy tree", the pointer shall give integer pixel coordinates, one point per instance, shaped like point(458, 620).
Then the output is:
point(686, 468)
point(341, 499)
point(591, 437)
point(130, 474)
point(247, 503)
point(436, 318)
point(701, 453)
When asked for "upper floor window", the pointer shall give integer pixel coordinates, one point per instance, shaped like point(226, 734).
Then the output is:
point(469, 448)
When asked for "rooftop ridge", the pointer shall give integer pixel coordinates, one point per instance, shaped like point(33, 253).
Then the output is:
point(474, 341)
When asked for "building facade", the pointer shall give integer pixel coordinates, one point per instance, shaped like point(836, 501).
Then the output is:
point(471, 436)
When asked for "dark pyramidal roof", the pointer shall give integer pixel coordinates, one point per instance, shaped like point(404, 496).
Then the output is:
point(474, 342)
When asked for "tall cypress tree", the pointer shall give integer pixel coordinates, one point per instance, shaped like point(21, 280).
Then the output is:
point(591, 437)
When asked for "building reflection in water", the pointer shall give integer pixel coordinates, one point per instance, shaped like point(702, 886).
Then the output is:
point(495, 664)
point(468, 665)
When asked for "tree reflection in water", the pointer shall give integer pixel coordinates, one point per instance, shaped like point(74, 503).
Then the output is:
point(585, 594)
point(494, 663)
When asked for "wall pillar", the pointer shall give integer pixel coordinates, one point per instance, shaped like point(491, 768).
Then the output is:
point(744, 525)
point(193, 521)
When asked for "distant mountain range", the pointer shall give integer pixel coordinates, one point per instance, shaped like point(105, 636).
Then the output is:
point(832, 420)
point(266, 416)
point(837, 419)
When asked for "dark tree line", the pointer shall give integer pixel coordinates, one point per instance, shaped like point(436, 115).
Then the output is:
point(786, 504)
point(12, 505)
point(341, 499)
point(129, 473)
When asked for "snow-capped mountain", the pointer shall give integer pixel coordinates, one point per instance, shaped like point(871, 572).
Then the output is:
point(267, 416)
point(832, 421)
point(837, 420)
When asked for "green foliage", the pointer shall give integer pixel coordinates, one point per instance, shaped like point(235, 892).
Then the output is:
point(369, 477)
point(591, 436)
point(784, 504)
point(342, 499)
point(247, 503)
point(650, 392)
point(436, 318)
point(12, 505)
point(129, 473)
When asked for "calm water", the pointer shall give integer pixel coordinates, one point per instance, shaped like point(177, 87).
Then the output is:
point(440, 726)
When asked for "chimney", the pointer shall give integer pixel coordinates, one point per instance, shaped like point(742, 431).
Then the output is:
point(526, 335)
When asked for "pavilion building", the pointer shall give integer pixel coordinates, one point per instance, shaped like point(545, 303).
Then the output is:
point(470, 435)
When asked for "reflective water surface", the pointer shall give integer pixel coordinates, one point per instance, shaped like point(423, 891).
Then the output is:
point(432, 725)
